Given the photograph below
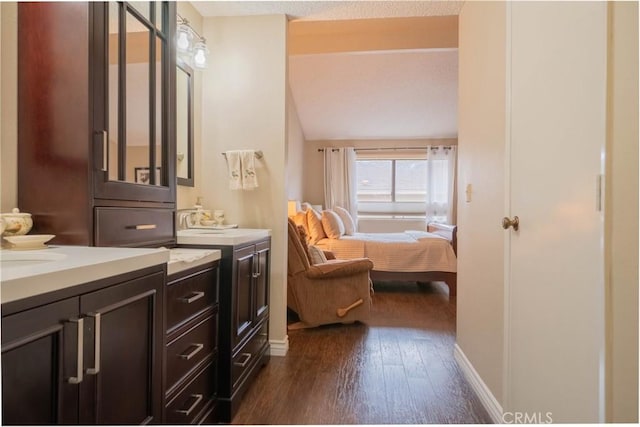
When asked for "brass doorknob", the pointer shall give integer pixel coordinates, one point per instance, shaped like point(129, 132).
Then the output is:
point(515, 223)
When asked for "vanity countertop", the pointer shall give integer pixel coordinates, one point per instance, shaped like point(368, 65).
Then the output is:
point(184, 259)
point(211, 236)
point(25, 274)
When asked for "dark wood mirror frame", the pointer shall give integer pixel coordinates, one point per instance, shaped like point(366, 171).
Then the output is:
point(181, 103)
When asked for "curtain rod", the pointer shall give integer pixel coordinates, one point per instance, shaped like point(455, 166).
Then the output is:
point(446, 147)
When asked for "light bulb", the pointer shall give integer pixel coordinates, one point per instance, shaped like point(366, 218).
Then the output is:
point(200, 55)
point(184, 37)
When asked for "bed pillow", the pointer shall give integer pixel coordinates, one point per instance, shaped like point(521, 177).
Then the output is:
point(316, 255)
point(347, 220)
point(316, 232)
point(332, 224)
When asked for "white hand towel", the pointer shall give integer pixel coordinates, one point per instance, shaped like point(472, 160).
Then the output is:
point(247, 163)
point(234, 169)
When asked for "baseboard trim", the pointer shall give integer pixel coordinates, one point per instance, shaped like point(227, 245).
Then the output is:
point(279, 347)
point(487, 398)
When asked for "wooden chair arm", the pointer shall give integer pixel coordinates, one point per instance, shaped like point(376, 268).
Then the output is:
point(339, 268)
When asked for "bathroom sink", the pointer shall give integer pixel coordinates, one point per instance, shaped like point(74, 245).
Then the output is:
point(9, 259)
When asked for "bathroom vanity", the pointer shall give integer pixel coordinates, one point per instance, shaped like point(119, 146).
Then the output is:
point(104, 336)
point(244, 307)
point(82, 335)
point(108, 332)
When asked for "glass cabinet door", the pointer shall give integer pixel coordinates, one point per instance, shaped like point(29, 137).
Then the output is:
point(133, 129)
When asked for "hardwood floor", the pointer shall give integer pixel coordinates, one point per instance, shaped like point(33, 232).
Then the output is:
point(397, 369)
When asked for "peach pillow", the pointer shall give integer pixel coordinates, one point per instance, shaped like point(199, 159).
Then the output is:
point(300, 219)
point(332, 224)
point(316, 232)
point(347, 220)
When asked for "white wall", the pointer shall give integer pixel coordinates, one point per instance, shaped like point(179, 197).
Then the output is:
point(622, 215)
point(186, 196)
point(9, 107)
point(295, 151)
point(244, 107)
point(481, 154)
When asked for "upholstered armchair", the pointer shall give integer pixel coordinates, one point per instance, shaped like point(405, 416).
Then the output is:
point(337, 291)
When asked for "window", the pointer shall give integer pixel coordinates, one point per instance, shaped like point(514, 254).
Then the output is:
point(392, 180)
point(403, 185)
point(391, 187)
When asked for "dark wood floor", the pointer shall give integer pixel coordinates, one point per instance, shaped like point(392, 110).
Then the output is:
point(397, 369)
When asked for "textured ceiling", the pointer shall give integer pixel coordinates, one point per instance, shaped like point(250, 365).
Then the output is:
point(329, 10)
point(396, 94)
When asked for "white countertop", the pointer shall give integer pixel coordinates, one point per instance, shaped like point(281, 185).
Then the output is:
point(29, 273)
point(183, 259)
point(232, 236)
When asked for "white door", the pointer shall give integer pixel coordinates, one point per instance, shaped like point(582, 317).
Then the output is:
point(554, 267)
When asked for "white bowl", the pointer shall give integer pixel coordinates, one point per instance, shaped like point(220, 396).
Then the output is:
point(29, 242)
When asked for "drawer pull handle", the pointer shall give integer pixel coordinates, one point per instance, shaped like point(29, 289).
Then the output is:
point(143, 227)
point(193, 406)
point(193, 297)
point(96, 345)
point(195, 351)
point(242, 364)
point(79, 369)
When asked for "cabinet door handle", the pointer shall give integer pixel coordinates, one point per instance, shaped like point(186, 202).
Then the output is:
point(96, 344)
point(247, 357)
point(105, 151)
point(193, 297)
point(79, 368)
point(193, 406)
point(193, 352)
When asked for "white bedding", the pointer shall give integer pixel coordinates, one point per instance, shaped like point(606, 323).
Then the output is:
point(411, 251)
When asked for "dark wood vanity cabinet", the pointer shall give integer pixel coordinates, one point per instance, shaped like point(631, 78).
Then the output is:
point(191, 350)
point(244, 320)
point(90, 358)
point(96, 121)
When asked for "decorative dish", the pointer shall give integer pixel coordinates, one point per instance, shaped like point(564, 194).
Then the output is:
point(29, 241)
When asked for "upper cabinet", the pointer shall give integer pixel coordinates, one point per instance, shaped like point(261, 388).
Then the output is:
point(96, 120)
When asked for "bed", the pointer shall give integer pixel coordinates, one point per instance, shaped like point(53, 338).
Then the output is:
point(414, 255)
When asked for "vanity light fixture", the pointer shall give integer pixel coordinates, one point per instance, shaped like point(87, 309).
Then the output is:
point(195, 54)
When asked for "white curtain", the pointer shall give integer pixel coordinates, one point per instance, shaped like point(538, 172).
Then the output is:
point(340, 179)
point(441, 173)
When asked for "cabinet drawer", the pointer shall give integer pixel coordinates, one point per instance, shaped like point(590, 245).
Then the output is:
point(189, 349)
point(133, 226)
point(189, 403)
point(245, 358)
point(190, 295)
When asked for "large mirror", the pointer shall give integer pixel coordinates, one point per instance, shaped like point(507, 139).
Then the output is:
point(184, 124)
